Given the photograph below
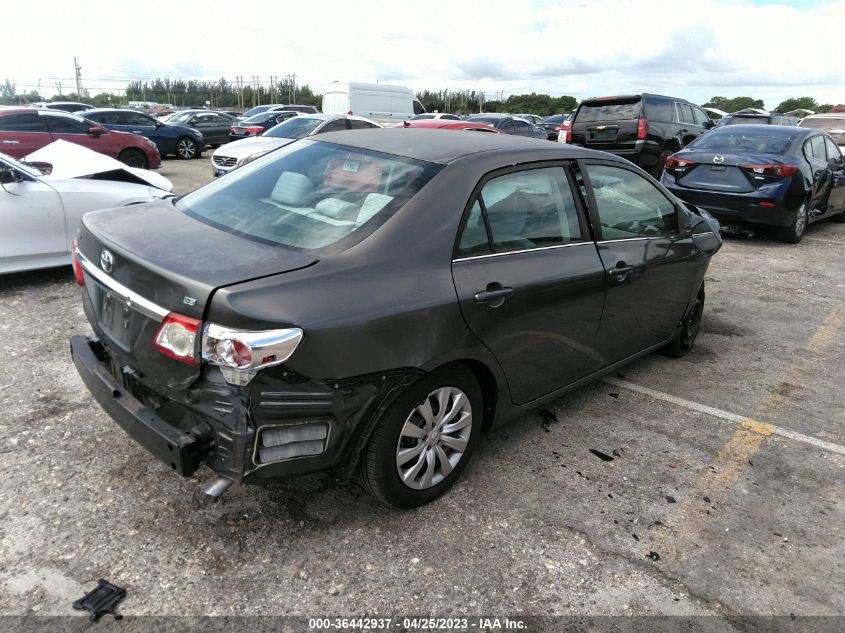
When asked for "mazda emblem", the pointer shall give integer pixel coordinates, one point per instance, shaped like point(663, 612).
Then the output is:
point(106, 261)
point(718, 159)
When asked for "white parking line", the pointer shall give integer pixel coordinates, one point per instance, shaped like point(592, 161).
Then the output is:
point(724, 415)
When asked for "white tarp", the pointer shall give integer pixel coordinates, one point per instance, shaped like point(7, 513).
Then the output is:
point(70, 160)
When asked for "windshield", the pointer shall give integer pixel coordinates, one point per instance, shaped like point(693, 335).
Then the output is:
point(18, 165)
point(260, 118)
point(310, 195)
point(609, 111)
point(297, 127)
point(769, 139)
point(180, 116)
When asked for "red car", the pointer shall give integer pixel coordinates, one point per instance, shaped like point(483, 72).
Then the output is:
point(24, 130)
point(446, 124)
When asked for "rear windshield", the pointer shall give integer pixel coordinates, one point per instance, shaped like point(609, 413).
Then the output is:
point(748, 120)
point(492, 120)
point(557, 118)
point(310, 195)
point(766, 140)
point(609, 111)
point(297, 127)
point(830, 124)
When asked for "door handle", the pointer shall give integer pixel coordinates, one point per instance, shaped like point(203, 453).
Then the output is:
point(494, 296)
point(12, 142)
point(620, 271)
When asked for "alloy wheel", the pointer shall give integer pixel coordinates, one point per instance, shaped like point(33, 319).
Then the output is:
point(186, 148)
point(434, 438)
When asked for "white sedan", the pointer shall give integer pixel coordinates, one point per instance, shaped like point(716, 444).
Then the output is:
point(39, 213)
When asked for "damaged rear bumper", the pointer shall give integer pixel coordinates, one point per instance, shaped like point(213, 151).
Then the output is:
point(280, 425)
point(184, 451)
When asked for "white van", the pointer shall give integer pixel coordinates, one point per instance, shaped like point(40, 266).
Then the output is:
point(380, 102)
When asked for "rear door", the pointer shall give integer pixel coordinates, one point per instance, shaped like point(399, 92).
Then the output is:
point(816, 155)
point(214, 127)
point(836, 171)
point(651, 269)
point(530, 283)
point(23, 133)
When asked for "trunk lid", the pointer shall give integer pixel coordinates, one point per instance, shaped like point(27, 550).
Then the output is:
point(162, 260)
point(724, 172)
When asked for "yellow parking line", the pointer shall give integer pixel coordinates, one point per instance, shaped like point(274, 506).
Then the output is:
point(691, 515)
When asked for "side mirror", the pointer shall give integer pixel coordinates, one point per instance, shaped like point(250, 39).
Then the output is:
point(709, 123)
point(8, 175)
point(44, 168)
point(96, 131)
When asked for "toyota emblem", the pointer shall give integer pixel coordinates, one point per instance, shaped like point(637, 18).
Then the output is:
point(718, 159)
point(106, 261)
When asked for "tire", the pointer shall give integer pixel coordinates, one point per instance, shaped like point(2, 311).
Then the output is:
point(134, 158)
point(657, 170)
point(414, 427)
point(690, 328)
point(793, 233)
point(186, 148)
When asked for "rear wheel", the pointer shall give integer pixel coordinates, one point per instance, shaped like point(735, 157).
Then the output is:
point(795, 231)
point(186, 148)
point(682, 345)
point(424, 440)
point(133, 158)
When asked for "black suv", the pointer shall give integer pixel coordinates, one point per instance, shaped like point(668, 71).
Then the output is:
point(646, 129)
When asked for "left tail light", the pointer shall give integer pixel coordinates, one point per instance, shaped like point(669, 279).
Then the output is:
point(77, 268)
point(176, 337)
point(241, 353)
point(642, 129)
point(254, 129)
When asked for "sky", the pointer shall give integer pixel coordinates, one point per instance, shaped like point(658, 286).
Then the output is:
point(694, 49)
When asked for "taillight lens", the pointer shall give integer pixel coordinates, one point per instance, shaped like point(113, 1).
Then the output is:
point(248, 349)
point(677, 165)
point(176, 337)
point(254, 129)
point(776, 171)
point(567, 136)
point(77, 268)
point(642, 129)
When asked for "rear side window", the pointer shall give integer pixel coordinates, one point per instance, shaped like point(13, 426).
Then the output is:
point(609, 111)
point(658, 109)
point(628, 205)
point(27, 122)
point(309, 195)
point(474, 237)
point(700, 116)
point(355, 124)
point(525, 210)
point(833, 153)
point(685, 113)
point(814, 147)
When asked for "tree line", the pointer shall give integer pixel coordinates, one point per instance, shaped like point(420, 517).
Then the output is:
point(223, 94)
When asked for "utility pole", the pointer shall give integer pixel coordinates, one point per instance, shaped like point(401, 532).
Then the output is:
point(78, 70)
point(59, 87)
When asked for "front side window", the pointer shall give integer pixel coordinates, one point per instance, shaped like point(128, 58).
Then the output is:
point(701, 117)
point(525, 210)
point(418, 108)
point(333, 126)
point(628, 205)
point(66, 125)
point(834, 156)
point(474, 237)
point(309, 195)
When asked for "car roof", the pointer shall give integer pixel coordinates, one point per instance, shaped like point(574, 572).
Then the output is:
point(447, 124)
point(826, 115)
point(786, 130)
point(95, 110)
point(437, 147)
point(41, 112)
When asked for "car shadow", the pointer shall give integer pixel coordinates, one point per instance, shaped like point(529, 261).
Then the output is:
point(36, 278)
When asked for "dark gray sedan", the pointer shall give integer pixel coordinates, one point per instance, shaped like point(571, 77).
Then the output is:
point(214, 126)
point(373, 301)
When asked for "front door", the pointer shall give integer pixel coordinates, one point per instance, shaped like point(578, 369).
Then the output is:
point(23, 133)
point(530, 283)
point(650, 267)
point(836, 173)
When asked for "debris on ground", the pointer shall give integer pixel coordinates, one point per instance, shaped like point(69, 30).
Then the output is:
point(616, 453)
point(706, 499)
point(670, 498)
point(9, 385)
point(636, 538)
point(653, 556)
point(613, 395)
point(547, 419)
point(101, 600)
point(602, 456)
